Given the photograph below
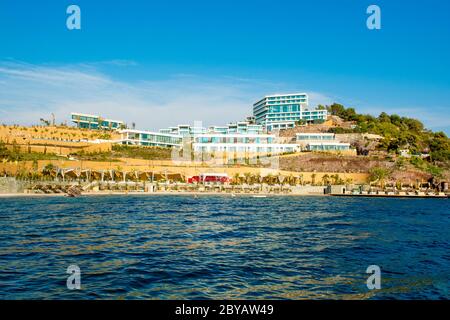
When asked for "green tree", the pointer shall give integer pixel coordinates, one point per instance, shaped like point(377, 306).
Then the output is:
point(4, 153)
point(325, 179)
point(378, 175)
point(336, 109)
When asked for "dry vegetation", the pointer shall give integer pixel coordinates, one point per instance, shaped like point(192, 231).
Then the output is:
point(123, 151)
point(323, 162)
point(58, 133)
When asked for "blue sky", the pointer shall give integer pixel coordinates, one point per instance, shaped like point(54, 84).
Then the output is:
point(166, 62)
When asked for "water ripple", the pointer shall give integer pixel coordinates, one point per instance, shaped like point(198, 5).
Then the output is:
point(178, 247)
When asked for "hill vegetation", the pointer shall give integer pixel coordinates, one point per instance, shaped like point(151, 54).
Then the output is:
point(15, 154)
point(398, 132)
point(124, 151)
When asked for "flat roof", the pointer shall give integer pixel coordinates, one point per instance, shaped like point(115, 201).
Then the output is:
point(286, 94)
point(315, 134)
point(94, 116)
point(235, 135)
point(150, 132)
point(84, 114)
point(329, 144)
point(280, 95)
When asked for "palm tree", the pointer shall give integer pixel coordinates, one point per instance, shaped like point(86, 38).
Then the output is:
point(335, 178)
point(313, 179)
point(326, 179)
point(301, 179)
point(236, 178)
point(278, 178)
point(269, 178)
point(290, 179)
point(134, 175)
point(48, 169)
point(248, 177)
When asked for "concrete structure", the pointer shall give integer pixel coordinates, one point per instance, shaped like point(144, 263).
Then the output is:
point(90, 121)
point(11, 185)
point(243, 127)
point(315, 137)
point(149, 138)
point(336, 189)
point(183, 130)
point(320, 142)
point(328, 146)
point(241, 143)
point(236, 138)
point(240, 137)
point(283, 111)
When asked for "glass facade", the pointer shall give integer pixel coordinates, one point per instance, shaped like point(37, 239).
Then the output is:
point(87, 121)
point(318, 141)
point(233, 139)
point(283, 111)
point(147, 138)
point(213, 141)
point(316, 136)
point(328, 146)
point(243, 127)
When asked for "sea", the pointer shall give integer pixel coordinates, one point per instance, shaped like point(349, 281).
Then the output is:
point(223, 247)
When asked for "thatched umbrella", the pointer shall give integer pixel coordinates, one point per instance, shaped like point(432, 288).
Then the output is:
point(71, 174)
point(158, 177)
point(97, 175)
point(85, 174)
point(118, 175)
point(177, 177)
point(144, 175)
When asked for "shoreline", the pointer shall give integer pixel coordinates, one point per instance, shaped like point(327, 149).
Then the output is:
point(158, 193)
point(199, 194)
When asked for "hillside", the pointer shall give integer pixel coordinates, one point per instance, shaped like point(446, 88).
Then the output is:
point(400, 147)
point(389, 147)
point(398, 132)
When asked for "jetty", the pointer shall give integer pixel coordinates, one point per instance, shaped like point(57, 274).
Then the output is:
point(391, 195)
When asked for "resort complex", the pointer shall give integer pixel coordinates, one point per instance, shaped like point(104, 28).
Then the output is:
point(241, 137)
point(255, 135)
point(283, 148)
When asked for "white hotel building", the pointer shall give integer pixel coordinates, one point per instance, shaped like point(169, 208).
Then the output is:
point(320, 142)
point(150, 138)
point(240, 143)
point(283, 111)
point(241, 137)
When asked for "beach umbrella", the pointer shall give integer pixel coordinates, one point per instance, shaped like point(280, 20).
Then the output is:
point(175, 177)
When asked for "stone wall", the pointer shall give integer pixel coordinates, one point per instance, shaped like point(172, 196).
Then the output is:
point(10, 185)
point(312, 190)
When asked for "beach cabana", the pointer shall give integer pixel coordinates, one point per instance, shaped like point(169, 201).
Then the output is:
point(176, 177)
point(144, 175)
point(158, 177)
point(69, 174)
